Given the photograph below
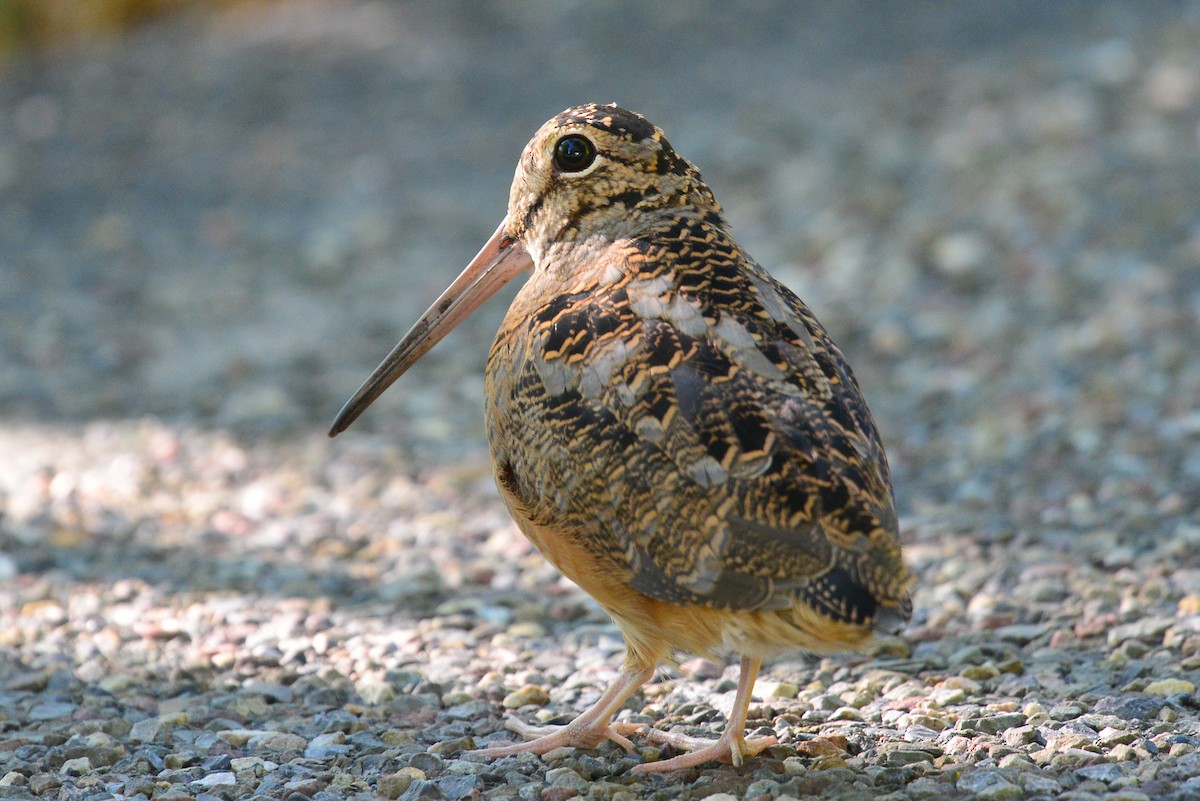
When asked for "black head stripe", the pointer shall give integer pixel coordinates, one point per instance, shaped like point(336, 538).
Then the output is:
point(612, 119)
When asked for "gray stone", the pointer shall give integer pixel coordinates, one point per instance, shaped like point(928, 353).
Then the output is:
point(275, 742)
point(1065, 711)
point(423, 790)
point(1107, 772)
point(76, 767)
point(898, 757)
point(326, 746)
point(41, 783)
point(220, 779)
point(1020, 735)
point(1149, 630)
point(470, 710)
point(52, 710)
point(460, 786)
point(1001, 791)
point(14, 779)
point(146, 731)
point(1037, 783)
point(988, 783)
point(565, 777)
point(1131, 707)
point(994, 724)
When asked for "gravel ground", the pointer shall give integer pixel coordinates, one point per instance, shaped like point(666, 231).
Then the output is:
point(210, 233)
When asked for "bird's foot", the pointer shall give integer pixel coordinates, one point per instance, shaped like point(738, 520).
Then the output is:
point(732, 748)
point(579, 733)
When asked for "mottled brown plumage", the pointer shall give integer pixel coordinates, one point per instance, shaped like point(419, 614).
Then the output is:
point(669, 424)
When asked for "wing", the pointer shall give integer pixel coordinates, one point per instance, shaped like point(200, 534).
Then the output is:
point(731, 460)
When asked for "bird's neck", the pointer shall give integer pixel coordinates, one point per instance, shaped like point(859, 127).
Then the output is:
point(584, 263)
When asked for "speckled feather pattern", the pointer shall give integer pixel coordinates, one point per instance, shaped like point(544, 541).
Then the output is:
point(669, 422)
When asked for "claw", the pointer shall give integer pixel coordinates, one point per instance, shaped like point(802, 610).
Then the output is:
point(543, 739)
point(586, 731)
point(732, 749)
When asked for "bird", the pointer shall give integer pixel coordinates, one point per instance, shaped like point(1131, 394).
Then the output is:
point(670, 426)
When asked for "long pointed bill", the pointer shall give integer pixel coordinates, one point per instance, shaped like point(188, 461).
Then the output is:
point(500, 260)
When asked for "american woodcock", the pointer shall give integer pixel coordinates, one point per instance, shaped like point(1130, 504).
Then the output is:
point(669, 425)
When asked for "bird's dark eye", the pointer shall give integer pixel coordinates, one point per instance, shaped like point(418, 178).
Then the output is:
point(574, 153)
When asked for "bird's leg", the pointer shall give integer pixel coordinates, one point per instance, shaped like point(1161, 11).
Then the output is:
point(586, 731)
point(732, 747)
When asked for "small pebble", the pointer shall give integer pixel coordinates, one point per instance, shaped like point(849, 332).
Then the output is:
point(76, 767)
point(1170, 687)
point(222, 779)
point(529, 695)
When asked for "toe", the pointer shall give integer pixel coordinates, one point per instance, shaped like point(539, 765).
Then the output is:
point(547, 738)
point(728, 749)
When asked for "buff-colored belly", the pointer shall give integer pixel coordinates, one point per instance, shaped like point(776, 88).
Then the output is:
point(654, 630)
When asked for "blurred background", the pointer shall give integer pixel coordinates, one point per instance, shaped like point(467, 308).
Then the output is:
point(221, 215)
point(225, 213)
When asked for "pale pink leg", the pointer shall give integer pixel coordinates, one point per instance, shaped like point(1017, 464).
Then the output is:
point(586, 731)
point(732, 747)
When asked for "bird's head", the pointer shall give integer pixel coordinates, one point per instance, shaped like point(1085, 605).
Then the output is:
point(598, 171)
point(593, 172)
